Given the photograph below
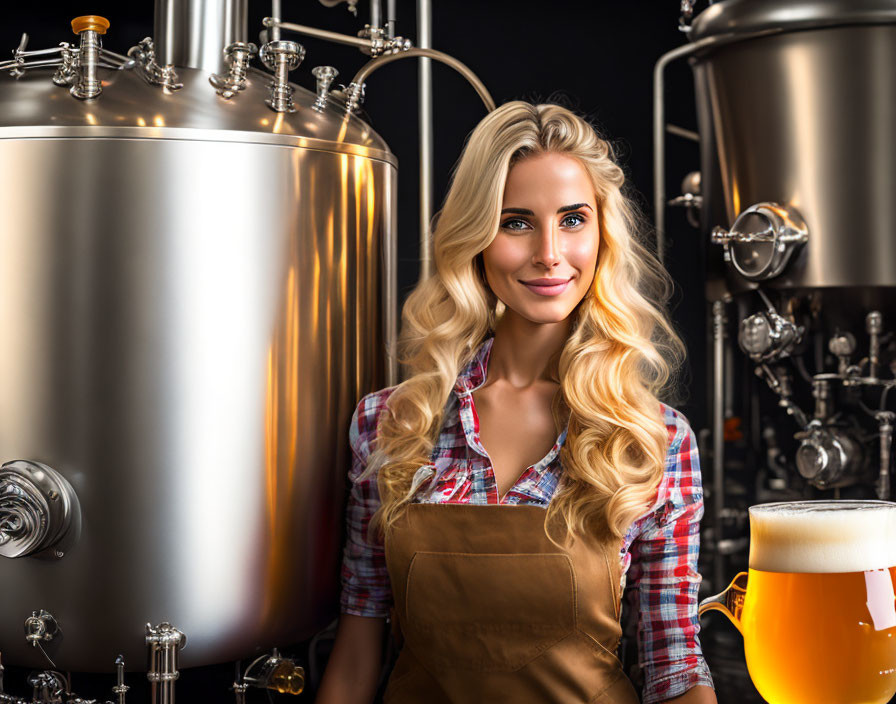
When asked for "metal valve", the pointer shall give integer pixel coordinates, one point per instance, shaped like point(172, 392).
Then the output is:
point(281, 57)
point(766, 336)
point(762, 240)
point(144, 54)
point(39, 510)
point(827, 456)
point(237, 56)
point(89, 28)
point(40, 626)
point(324, 76)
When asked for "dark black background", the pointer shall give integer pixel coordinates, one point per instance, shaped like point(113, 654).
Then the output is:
point(595, 57)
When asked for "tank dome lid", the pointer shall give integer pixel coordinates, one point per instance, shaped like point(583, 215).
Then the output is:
point(736, 17)
point(130, 107)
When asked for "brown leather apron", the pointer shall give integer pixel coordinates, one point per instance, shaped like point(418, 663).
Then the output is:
point(490, 610)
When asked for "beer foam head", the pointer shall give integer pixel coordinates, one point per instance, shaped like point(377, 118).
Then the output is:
point(823, 536)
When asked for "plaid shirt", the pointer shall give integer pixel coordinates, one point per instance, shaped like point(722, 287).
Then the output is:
point(658, 553)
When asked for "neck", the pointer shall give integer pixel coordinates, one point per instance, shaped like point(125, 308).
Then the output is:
point(525, 353)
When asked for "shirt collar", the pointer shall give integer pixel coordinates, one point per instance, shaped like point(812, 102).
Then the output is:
point(473, 375)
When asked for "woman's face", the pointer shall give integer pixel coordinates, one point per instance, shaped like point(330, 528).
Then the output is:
point(542, 261)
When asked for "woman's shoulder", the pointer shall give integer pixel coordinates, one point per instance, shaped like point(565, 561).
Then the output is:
point(678, 428)
point(363, 425)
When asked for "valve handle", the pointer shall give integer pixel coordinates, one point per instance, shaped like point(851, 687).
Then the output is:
point(92, 23)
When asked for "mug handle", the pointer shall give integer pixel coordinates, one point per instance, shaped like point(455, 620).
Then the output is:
point(730, 602)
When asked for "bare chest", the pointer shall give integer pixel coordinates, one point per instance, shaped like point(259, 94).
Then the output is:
point(516, 429)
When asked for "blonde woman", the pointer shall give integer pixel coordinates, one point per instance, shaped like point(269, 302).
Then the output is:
point(505, 493)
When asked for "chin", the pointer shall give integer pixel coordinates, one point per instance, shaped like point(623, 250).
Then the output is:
point(545, 317)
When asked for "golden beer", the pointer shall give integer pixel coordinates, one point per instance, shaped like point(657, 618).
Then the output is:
point(817, 608)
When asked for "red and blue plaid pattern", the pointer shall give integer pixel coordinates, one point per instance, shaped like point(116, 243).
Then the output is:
point(658, 553)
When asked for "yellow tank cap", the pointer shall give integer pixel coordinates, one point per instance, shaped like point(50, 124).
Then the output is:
point(90, 22)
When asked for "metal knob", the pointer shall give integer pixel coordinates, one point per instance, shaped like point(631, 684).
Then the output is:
point(281, 57)
point(324, 76)
point(237, 56)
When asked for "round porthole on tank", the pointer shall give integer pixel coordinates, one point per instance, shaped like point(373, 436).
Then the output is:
point(762, 240)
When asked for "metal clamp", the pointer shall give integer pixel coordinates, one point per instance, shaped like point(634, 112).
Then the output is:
point(281, 57)
point(380, 44)
point(324, 76)
point(762, 240)
point(152, 72)
point(39, 510)
point(237, 57)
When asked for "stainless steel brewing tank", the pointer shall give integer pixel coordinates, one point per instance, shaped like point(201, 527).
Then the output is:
point(800, 100)
point(190, 305)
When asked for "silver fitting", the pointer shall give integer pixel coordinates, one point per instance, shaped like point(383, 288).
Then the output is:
point(164, 642)
point(40, 627)
point(48, 687)
point(39, 510)
point(152, 72)
point(237, 57)
point(281, 57)
point(354, 97)
point(324, 76)
point(65, 73)
point(762, 240)
point(874, 325)
point(827, 456)
point(120, 689)
point(89, 28)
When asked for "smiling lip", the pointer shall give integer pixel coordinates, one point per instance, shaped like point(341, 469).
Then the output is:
point(547, 287)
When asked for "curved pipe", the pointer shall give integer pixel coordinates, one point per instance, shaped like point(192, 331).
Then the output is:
point(458, 66)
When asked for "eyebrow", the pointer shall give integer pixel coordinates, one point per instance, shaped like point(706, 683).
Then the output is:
point(564, 209)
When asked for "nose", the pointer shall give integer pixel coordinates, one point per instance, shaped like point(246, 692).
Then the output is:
point(547, 248)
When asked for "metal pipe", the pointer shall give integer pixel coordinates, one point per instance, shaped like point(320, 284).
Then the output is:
point(359, 42)
point(874, 326)
point(193, 33)
point(376, 14)
point(391, 18)
point(424, 83)
point(364, 73)
point(885, 418)
point(718, 437)
point(659, 145)
point(276, 13)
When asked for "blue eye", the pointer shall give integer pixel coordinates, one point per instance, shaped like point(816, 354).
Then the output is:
point(508, 224)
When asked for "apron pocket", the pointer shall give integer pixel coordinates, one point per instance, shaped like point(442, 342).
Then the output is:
point(487, 612)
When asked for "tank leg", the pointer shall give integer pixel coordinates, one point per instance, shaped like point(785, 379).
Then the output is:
point(164, 641)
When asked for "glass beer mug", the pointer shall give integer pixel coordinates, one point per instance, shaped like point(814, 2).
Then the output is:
point(817, 609)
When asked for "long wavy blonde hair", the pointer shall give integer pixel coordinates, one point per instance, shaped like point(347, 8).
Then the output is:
point(621, 354)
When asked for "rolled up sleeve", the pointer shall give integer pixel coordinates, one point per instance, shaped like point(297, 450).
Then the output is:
point(366, 590)
point(664, 581)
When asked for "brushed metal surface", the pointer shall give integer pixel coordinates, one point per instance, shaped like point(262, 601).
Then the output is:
point(193, 33)
point(736, 17)
point(807, 119)
point(131, 107)
point(187, 326)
